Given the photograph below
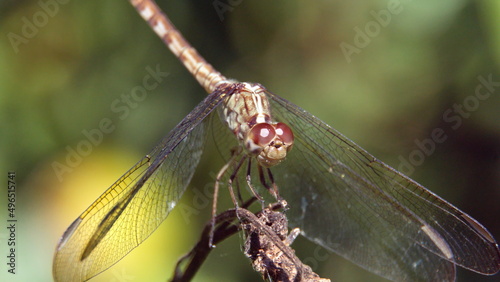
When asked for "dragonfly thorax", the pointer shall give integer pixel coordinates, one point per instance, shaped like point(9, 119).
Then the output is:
point(248, 115)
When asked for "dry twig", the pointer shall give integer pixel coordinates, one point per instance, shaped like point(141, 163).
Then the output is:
point(267, 245)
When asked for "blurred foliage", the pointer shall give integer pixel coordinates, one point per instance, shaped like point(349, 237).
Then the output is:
point(66, 74)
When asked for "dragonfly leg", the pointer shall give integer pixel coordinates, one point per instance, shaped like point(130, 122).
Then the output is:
point(232, 178)
point(272, 188)
point(221, 173)
point(249, 183)
point(238, 191)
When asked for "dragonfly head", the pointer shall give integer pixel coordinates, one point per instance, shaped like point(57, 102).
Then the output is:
point(269, 142)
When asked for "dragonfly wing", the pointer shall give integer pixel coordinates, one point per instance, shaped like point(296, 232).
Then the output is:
point(349, 202)
point(135, 205)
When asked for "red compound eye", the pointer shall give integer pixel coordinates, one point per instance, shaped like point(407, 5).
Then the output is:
point(284, 132)
point(262, 133)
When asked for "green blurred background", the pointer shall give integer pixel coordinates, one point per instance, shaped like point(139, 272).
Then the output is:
point(63, 77)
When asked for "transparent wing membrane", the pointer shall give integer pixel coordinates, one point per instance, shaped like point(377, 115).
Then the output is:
point(135, 205)
point(353, 204)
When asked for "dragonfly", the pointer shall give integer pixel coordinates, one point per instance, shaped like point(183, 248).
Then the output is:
point(339, 196)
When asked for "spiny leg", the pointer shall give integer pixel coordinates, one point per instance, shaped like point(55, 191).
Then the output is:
point(232, 178)
point(238, 190)
point(221, 173)
point(272, 188)
point(249, 183)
